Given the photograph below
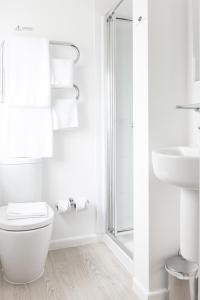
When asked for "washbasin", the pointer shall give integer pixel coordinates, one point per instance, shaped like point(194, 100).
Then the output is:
point(177, 166)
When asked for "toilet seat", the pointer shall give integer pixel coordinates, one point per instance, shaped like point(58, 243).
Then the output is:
point(24, 224)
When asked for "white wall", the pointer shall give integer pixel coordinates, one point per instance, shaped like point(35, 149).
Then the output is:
point(160, 80)
point(193, 80)
point(168, 86)
point(141, 149)
point(72, 170)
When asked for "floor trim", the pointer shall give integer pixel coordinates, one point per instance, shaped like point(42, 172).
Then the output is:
point(124, 259)
point(143, 294)
point(74, 241)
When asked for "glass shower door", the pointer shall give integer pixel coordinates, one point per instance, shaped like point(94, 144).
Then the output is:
point(124, 126)
point(120, 133)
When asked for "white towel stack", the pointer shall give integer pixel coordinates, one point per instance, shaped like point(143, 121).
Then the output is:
point(25, 132)
point(62, 73)
point(27, 210)
point(27, 72)
point(65, 114)
point(25, 115)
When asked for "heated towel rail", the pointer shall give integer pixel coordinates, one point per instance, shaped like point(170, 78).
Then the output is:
point(51, 43)
point(59, 43)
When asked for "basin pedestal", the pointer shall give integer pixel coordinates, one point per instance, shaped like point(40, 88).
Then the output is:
point(179, 166)
point(189, 224)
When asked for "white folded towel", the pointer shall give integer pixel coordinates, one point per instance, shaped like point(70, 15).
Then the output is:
point(27, 72)
point(62, 73)
point(26, 210)
point(25, 132)
point(65, 114)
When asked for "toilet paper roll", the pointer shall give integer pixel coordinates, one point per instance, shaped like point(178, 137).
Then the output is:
point(63, 206)
point(81, 203)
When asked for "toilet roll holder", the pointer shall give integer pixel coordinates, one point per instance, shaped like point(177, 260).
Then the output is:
point(72, 203)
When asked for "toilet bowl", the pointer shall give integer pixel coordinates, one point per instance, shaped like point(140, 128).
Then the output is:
point(24, 245)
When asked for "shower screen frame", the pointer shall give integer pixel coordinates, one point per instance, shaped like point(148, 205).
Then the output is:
point(111, 125)
point(111, 130)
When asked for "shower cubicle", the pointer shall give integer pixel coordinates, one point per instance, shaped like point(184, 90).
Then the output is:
point(119, 90)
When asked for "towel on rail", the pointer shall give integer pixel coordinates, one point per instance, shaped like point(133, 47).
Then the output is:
point(62, 73)
point(25, 132)
point(27, 72)
point(65, 113)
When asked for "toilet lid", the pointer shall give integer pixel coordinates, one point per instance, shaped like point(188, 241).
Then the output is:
point(24, 224)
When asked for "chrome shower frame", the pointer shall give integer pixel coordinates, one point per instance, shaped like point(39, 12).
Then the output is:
point(111, 125)
point(111, 108)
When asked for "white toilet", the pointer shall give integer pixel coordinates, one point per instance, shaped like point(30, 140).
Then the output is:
point(24, 243)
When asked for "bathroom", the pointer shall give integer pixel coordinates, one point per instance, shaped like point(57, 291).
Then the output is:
point(86, 210)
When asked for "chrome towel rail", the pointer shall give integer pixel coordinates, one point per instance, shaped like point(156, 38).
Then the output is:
point(76, 88)
point(51, 43)
point(60, 43)
point(77, 91)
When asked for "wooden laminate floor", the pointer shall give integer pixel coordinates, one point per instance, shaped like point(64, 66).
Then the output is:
point(84, 273)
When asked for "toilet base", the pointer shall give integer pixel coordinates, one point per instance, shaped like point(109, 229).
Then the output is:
point(19, 283)
point(23, 254)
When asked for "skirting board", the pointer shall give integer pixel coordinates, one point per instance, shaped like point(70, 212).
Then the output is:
point(143, 294)
point(75, 241)
point(124, 259)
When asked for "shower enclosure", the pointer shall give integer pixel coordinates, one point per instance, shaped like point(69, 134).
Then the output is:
point(119, 87)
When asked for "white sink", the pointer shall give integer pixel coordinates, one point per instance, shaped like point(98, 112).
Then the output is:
point(179, 166)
